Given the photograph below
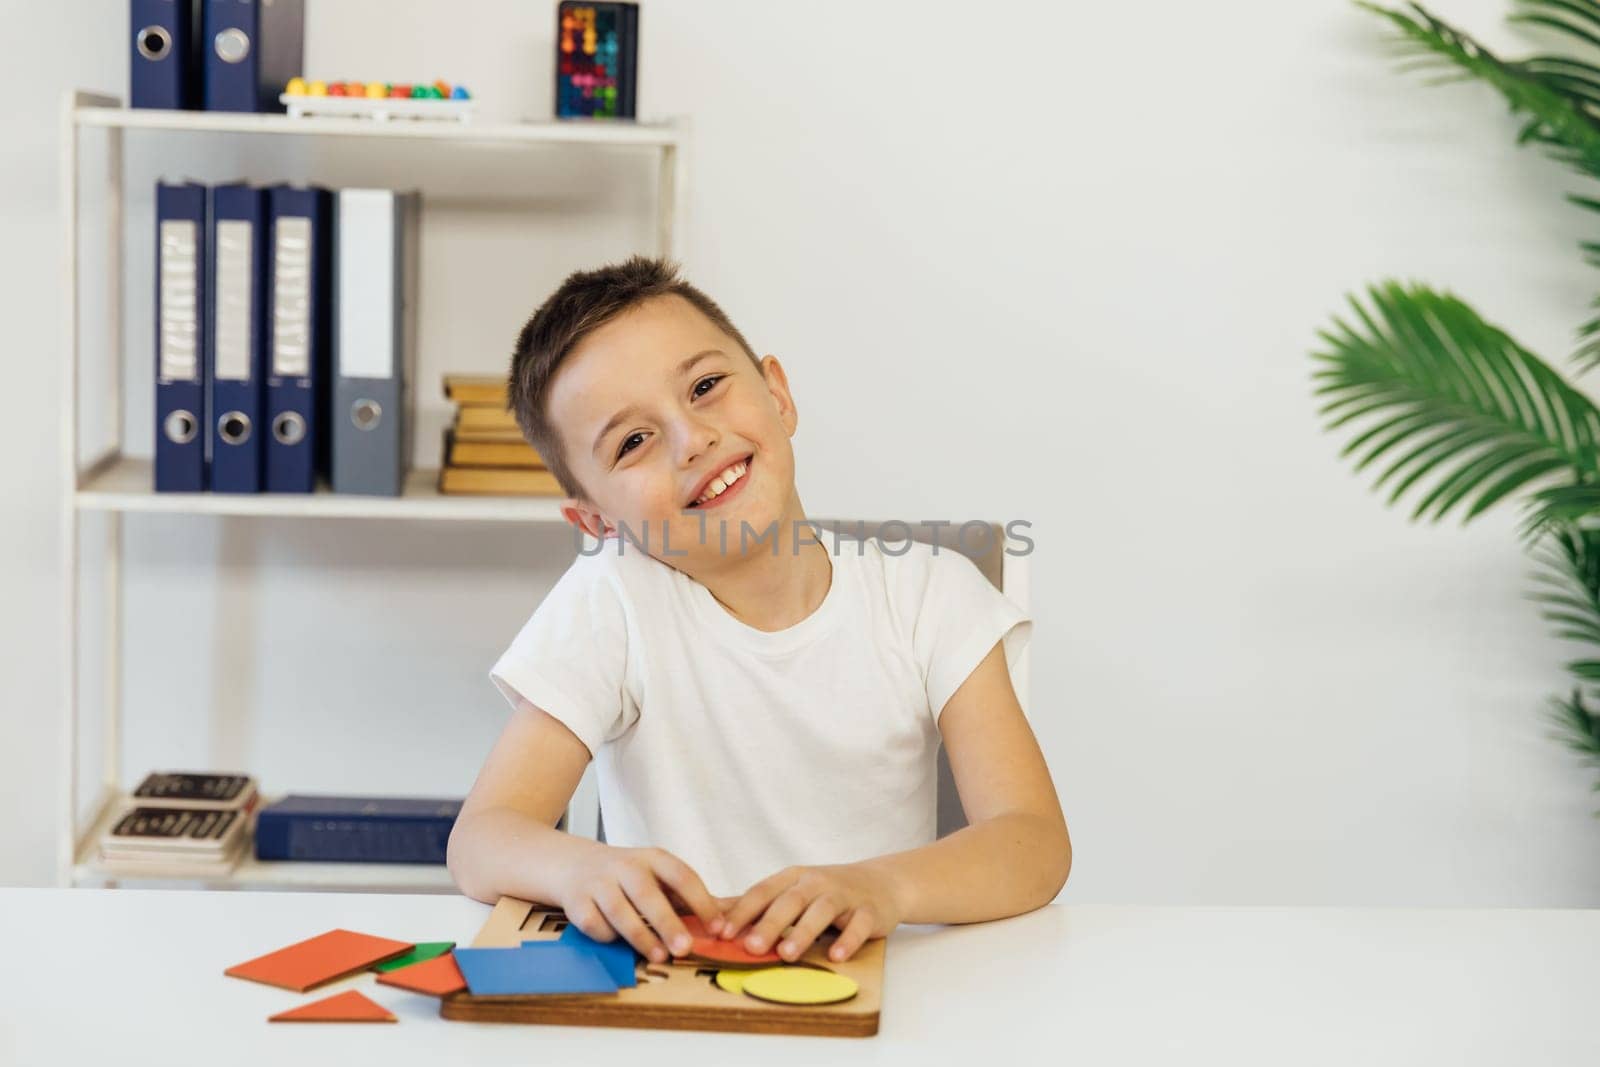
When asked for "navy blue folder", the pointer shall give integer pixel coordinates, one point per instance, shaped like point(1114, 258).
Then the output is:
point(163, 69)
point(299, 339)
point(180, 455)
point(333, 829)
point(249, 50)
point(237, 335)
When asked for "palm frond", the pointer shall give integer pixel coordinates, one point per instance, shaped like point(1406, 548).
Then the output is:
point(1578, 728)
point(1577, 81)
point(1577, 19)
point(1550, 118)
point(1567, 583)
point(1427, 380)
point(1557, 97)
point(1559, 507)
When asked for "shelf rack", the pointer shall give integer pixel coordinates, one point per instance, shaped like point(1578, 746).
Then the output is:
point(115, 484)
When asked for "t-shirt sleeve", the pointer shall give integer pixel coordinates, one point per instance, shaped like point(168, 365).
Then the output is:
point(570, 658)
point(959, 617)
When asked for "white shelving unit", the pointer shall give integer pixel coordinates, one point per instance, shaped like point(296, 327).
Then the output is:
point(115, 484)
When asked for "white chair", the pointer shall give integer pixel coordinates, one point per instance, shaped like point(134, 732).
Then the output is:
point(987, 550)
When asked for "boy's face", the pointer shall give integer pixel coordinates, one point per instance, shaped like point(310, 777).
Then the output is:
point(655, 405)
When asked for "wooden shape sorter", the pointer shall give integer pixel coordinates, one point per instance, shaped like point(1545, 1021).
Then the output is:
point(677, 995)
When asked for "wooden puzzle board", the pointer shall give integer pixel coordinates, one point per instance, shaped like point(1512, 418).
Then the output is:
point(674, 995)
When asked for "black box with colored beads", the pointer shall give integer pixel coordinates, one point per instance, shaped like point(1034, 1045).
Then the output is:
point(597, 60)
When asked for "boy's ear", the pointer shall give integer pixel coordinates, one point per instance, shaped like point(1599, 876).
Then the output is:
point(778, 386)
point(579, 513)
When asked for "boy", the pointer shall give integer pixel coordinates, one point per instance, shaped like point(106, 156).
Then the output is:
point(764, 713)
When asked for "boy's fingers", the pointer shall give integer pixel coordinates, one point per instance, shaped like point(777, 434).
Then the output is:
point(626, 922)
point(747, 908)
point(854, 935)
point(817, 918)
point(645, 892)
point(588, 917)
point(783, 911)
point(688, 887)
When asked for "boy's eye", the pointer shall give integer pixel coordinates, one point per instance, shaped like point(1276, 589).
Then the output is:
point(712, 380)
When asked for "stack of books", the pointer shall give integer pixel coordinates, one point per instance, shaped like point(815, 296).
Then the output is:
point(484, 451)
point(341, 829)
point(181, 825)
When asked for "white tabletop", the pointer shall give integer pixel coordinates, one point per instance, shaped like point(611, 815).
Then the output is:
point(130, 976)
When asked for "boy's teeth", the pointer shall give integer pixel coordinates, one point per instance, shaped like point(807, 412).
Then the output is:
point(732, 474)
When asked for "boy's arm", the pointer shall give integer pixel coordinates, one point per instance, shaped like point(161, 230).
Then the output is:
point(504, 842)
point(1013, 856)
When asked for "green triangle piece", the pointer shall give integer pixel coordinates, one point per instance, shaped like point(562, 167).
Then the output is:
point(425, 950)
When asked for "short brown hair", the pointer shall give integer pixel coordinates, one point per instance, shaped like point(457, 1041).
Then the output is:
point(584, 302)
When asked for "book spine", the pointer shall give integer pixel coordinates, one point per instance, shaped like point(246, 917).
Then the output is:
point(323, 840)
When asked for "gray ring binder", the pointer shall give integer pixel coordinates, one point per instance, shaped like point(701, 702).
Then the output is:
point(366, 414)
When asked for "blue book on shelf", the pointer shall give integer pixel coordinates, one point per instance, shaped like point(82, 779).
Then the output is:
point(299, 342)
point(334, 829)
point(180, 451)
point(250, 49)
point(163, 69)
point(236, 353)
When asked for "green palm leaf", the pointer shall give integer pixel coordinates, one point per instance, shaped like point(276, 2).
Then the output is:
point(1567, 583)
point(1558, 97)
point(1438, 393)
point(1579, 728)
point(1577, 19)
point(1448, 405)
point(1560, 507)
point(1550, 117)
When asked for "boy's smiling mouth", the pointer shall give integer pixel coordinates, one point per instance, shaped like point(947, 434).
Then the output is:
point(722, 485)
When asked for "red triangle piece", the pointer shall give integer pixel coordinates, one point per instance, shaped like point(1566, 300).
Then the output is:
point(351, 1006)
point(438, 977)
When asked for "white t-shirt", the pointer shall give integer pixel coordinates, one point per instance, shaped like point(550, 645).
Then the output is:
point(744, 751)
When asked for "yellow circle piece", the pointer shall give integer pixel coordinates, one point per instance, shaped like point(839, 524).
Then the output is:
point(318, 89)
point(732, 981)
point(377, 91)
point(296, 87)
point(799, 985)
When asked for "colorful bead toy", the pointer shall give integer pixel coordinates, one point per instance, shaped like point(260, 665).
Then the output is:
point(378, 100)
point(596, 59)
point(440, 90)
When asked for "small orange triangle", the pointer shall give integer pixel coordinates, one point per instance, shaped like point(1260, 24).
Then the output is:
point(351, 1006)
point(437, 977)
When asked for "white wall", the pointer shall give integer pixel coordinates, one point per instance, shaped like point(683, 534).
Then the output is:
point(1078, 288)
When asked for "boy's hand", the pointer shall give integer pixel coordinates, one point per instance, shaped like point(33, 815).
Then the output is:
point(862, 902)
point(624, 891)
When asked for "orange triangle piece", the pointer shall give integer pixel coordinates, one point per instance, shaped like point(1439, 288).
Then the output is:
point(438, 977)
point(351, 1006)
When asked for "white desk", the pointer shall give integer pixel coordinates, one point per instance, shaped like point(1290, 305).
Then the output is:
point(130, 976)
